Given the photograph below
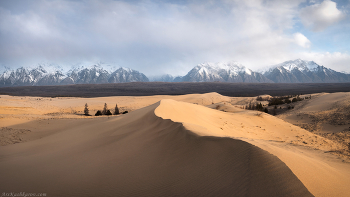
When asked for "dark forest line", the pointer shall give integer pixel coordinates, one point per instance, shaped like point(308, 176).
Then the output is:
point(164, 88)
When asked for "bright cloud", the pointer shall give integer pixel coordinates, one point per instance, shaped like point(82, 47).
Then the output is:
point(301, 40)
point(319, 16)
point(336, 60)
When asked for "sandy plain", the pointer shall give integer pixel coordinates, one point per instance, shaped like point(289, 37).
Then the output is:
point(189, 145)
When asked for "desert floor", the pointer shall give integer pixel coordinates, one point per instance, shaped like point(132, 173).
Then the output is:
point(189, 145)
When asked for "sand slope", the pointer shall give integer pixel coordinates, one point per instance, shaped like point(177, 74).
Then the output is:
point(327, 112)
point(142, 154)
point(321, 173)
point(327, 115)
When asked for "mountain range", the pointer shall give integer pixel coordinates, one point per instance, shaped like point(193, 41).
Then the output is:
point(224, 72)
point(55, 75)
point(294, 71)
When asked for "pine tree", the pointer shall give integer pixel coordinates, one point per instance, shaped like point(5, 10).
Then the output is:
point(104, 111)
point(116, 110)
point(259, 107)
point(86, 110)
point(266, 110)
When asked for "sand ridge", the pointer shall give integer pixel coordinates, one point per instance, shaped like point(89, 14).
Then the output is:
point(15, 110)
point(317, 173)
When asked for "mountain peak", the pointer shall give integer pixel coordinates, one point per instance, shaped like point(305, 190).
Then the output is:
point(302, 71)
point(224, 72)
point(299, 64)
point(222, 65)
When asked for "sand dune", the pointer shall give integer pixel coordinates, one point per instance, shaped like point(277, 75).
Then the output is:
point(141, 154)
point(322, 109)
point(172, 146)
point(322, 174)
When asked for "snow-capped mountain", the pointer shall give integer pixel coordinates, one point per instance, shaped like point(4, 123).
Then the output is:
point(224, 72)
point(301, 71)
point(294, 71)
point(163, 78)
point(126, 75)
point(55, 75)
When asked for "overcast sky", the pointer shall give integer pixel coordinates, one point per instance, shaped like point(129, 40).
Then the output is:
point(159, 36)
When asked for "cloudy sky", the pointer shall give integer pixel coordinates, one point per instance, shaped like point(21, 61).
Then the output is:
point(165, 36)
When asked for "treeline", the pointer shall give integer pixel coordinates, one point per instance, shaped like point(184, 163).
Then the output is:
point(257, 106)
point(105, 111)
point(274, 101)
point(285, 100)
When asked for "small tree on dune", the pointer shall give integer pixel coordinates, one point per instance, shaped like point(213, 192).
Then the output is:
point(86, 110)
point(104, 111)
point(108, 113)
point(98, 113)
point(116, 110)
point(259, 107)
point(266, 110)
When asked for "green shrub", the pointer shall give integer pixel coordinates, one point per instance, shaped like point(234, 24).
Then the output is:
point(98, 113)
point(266, 110)
point(108, 113)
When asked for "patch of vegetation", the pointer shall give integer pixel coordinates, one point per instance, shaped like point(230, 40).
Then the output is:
point(285, 100)
point(259, 98)
point(342, 138)
point(108, 113)
point(98, 113)
point(105, 111)
point(257, 106)
point(176, 88)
